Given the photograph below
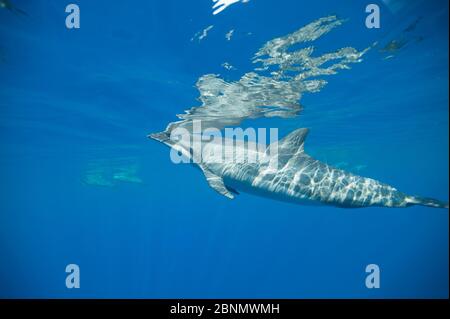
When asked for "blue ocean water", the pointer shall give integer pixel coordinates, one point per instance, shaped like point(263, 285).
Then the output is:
point(81, 183)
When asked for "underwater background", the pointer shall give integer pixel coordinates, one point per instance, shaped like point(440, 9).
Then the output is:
point(82, 184)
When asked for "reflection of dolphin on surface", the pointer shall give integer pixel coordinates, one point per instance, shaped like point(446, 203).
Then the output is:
point(288, 173)
point(221, 5)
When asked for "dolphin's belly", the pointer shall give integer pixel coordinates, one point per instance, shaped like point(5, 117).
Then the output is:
point(259, 179)
point(264, 192)
point(313, 182)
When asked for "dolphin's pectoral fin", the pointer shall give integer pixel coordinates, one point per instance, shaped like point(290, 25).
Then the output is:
point(216, 182)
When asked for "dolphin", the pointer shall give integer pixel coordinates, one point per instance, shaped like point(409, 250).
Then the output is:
point(6, 4)
point(297, 177)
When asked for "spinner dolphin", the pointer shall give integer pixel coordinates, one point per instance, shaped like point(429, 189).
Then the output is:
point(296, 177)
point(274, 90)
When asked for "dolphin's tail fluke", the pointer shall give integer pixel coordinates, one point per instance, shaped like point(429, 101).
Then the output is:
point(423, 201)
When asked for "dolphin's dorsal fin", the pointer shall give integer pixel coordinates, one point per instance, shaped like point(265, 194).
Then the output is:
point(294, 142)
point(216, 182)
point(287, 149)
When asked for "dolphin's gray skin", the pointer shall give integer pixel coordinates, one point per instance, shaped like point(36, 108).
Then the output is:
point(297, 177)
